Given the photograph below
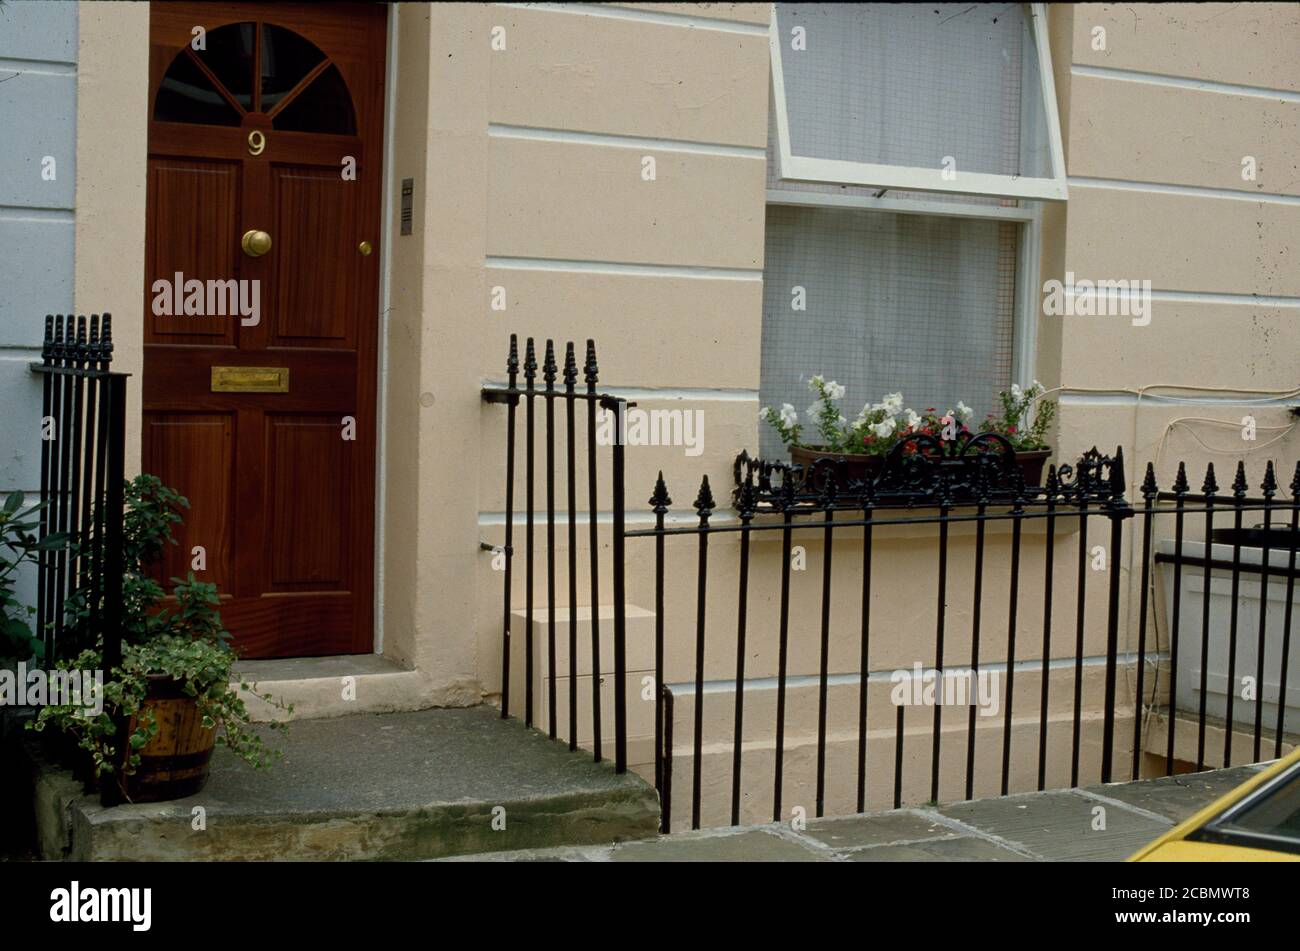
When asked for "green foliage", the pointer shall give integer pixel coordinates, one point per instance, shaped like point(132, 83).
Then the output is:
point(185, 642)
point(19, 546)
point(1016, 405)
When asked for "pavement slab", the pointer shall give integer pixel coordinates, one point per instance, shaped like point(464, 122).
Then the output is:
point(763, 844)
point(964, 848)
point(1177, 797)
point(1061, 825)
point(1097, 823)
point(877, 829)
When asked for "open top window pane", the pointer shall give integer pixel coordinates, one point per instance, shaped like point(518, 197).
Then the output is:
point(918, 97)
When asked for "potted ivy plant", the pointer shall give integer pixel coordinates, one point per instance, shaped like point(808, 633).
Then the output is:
point(172, 699)
point(860, 447)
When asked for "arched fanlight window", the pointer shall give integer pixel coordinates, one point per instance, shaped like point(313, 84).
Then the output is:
point(298, 88)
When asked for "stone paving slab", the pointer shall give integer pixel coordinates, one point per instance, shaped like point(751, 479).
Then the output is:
point(1178, 797)
point(393, 786)
point(755, 845)
point(963, 848)
point(1060, 825)
point(879, 829)
point(1057, 825)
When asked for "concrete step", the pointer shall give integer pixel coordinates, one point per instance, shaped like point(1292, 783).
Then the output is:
point(394, 786)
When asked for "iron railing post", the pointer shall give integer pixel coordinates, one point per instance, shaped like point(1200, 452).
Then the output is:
point(620, 590)
point(659, 501)
point(1117, 510)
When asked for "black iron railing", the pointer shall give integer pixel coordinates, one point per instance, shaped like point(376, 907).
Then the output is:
point(510, 395)
point(83, 458)
point(976, 481)
point(972, 484)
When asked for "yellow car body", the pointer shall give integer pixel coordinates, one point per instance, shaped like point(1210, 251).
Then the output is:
point(1210, 836)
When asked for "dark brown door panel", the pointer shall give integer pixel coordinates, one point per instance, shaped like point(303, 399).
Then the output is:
point(264, 171)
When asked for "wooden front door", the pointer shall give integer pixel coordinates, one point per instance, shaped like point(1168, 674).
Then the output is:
point(261, 310)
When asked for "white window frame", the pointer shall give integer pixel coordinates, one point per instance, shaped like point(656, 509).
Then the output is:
point(801, 168)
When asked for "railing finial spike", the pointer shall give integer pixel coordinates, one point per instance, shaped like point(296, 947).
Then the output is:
point(746, 499)
point(1239, 483)
point(1149, 486)
point(1269, 485)
point(590, 370)
point(570, 366)
point(548, 364)
point(1210, 485)
point(80, 350)
point(704, 504)
point(106, 341)
point(530, 360)
point(1181, 485)
point(512, 359)
point(659, 499)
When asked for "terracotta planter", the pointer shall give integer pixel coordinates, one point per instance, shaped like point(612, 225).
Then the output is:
point(857, 466)
point(1031, 463)
point(174, 764)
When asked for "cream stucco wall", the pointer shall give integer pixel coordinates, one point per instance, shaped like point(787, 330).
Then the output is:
point(1157, 126)
point(112, 132)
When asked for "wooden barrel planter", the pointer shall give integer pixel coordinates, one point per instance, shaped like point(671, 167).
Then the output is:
point(174, 764)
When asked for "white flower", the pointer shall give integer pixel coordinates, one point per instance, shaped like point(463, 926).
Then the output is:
point(788, 416)
point(834, 391)
point(964, 412)
point(883, 428)
point(893, 403)
point(1016, 391)
point(911, 419)
point(815, 384)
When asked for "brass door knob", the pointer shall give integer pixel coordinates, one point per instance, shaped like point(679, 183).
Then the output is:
point(365, 248)
point(255, 243)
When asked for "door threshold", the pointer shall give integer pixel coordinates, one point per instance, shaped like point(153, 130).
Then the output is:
point(340, 685)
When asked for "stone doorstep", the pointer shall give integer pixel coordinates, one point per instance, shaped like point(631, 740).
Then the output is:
point(319, 687)
point(396, 786)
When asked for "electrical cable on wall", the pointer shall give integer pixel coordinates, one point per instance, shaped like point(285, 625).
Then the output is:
point(1270, 397)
